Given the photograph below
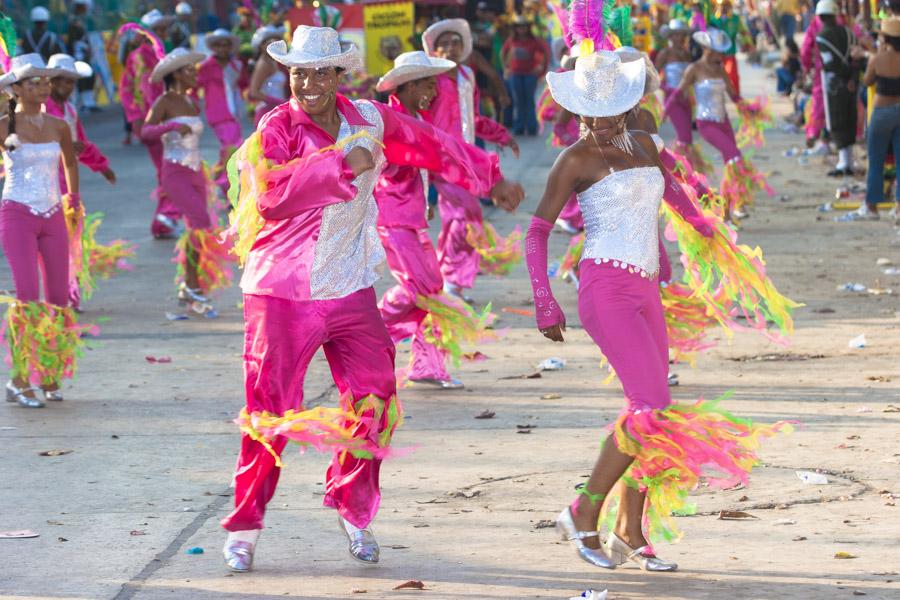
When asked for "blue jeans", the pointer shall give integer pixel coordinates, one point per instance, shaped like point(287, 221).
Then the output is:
point(785, 80)
point(523, 88)
point(883, 132)
point(788, 26)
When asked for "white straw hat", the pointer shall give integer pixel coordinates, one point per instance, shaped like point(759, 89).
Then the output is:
point(221, 34)
point(714, 39)
point(26, 66)
point(183, 9)
point(629, 54)
point(174, 60)
point(601, 85)
point(74, 69)
point(677, 26)
point(410, 66)
point(827, 7)
point(314, 48)
point(39, 14)
point(457, 26)
point(266, 32)
point(154, 18)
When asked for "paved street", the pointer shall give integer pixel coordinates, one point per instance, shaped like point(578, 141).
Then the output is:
point(464, 511)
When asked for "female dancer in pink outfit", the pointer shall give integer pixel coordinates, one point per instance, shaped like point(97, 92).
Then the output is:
point(657, 451)
point(402, 205)
point(268, 84)
point(306, 224)
point(42, 337)
point(455, 111)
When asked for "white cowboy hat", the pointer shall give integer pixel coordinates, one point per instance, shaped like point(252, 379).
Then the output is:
point(267, 32)
point(601, 85)
point(39, 14)
point(221, 34)
point(174, 60)
point(314, 48)
point(410, 66)
point(26, 66)
point(154, 18)
point(827, 7)
point(675, 26)
point(629, 54)
point(714, 39)
point(457, 26)
point(73, 69)
point(183, 9)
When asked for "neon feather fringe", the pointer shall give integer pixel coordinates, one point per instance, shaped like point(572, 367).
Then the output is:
point(204, 249)
point(562, 16)
point(498, 254)
point(729, 276)
point(450, 323)
point(588, 25)
point(651, 104)
point(754, 117)
point(568, 267)
point(74, 217)
point(159, 49)
point(677, 447)
point(740, 182)
point(43, 341)
point(547, 109)
point(88, 259)
point(361, 428)
point(8, 42)
point(687, 323)
point(620, 24)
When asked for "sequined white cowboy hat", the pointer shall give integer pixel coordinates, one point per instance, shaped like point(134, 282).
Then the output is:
point(26, 66)
point(675, 26)
point(174, 60)
point(629, 54)
point(73, 69)
point(457, 26)
point(714, 39)
point(221, 34)
point(601, 85)
point(154, 18)
point(827, 7)
point(410, 66)
point(314, 48)
point(266, 32)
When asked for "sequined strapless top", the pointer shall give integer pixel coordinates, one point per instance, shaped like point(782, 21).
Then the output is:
point(621, 214)
point(32, 177)
point(184, 149)
point(274, 85)
point(710, 97)
point(674, 71)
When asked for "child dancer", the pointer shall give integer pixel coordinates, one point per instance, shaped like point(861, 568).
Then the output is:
point(43, 338)
point(657, 451)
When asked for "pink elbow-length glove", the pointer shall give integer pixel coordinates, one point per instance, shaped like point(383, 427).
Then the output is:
point(547, 312)
point(151, 133)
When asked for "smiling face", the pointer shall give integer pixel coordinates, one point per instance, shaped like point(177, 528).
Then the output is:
point(315, 89)
point(449, 45)
point(35, 90)
point(62, 87)
point(419, 93)
point(603, 129)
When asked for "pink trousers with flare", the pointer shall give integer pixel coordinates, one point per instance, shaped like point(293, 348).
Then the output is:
point(281, 337)
point(720, 136)
point(32, 244)
point(679, 110)
point(623, 314)
point(459, 261)
point(414, 264)
point(165, 205)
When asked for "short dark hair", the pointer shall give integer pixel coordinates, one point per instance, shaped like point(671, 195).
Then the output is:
point(892, 40)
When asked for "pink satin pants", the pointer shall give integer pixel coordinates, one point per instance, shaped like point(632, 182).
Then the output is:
point(413, 262)
point(720, 135)
point(164, 205)
point(571, 212)
point(622, 313)
point(280, 339)
point(680, 114)
point(185, 189)
point(32, 243)
point(458, 260)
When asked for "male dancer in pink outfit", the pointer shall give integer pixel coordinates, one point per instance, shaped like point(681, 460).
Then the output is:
point(455, 111)
point(138, 94)
point(308, 283)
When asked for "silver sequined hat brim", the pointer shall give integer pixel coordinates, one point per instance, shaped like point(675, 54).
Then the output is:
point(348, 59)
point(410, 72)
point(614, 91)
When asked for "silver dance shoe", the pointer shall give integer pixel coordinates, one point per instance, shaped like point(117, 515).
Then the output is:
point(53, 395)
point(14, 394)
point(238, 556)
point(188, 295)
point(643, 556)
point(445, 384)
point(565, 526)
point(363, 546)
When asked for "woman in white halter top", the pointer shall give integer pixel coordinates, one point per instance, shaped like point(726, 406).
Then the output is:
point(175, 118)
point(33, 234)
point(658, 450)
point(268, 84)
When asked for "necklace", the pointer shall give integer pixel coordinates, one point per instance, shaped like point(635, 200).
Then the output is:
point(36, 120)
point(623, 142)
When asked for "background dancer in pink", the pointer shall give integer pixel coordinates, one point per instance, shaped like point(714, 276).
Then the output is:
point(455, 111)
point(417, 307)
point(268, 84)
point(312, 251)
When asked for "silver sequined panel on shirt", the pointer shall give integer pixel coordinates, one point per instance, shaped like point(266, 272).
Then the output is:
point(621, 213)
point(32, 177)
point(466, 90)
point(710, 97)
point(349, 254)
point(184, 149)
point(674, 72)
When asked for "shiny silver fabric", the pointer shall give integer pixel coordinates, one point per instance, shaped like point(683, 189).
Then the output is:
point(674, 71)
point(565, 527)
point(274, 86)
point(32, 177)
point(621, 212)
point(710, 97)
point(184, 149)
point(14, 394)
point(466, 88)
point(349, 255)
point(239, 556)
point(643, 556)
point(363, 546)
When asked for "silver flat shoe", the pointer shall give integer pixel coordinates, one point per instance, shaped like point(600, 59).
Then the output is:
point(14, 394)
point(239, 556)
point(445, 384)
point(643, 556)
point(673, 379)
point(565, 526)
point(188, 295)
point(363, 546)
point(53, 395)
